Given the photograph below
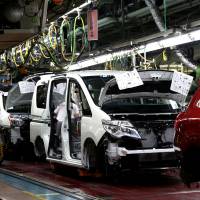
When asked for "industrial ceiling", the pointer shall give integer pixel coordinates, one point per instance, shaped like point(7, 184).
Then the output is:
point(119, 19)
point(121, 23)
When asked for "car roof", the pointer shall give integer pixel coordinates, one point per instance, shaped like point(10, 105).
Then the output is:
point(144, 74)
point(94, 72)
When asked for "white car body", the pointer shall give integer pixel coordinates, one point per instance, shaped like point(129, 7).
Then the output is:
point(93, 136)
point(102, 136)
point(4, 115)
point(19, 117)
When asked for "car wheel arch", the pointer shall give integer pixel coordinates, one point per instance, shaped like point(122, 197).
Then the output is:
point(89, 154)
point(40, 148)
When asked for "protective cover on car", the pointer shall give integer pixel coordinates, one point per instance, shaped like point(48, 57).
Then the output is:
point(20, 97)
point(156, 83)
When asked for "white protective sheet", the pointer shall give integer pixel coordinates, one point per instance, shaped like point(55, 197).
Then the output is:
point(128, 79)
point(26, 87)
point(181, 83)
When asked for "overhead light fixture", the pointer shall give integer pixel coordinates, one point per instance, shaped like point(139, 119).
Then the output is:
point(79, 8)
point(148, 47)
point(171, 41)
point(44, 42)
point(98, 60)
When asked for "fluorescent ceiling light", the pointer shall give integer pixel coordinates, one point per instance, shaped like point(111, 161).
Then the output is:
point(149, 47)
point(79, 8)
point(98, 60)
point(170, 42)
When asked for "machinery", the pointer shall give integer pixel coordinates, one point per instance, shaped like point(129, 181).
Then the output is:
point(21, 20)
point(133, 124)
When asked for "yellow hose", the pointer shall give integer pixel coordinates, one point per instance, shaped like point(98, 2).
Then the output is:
point(13, 57)
point(53, 43)
point(73, 48)
point(64, 23)
point(35, 59)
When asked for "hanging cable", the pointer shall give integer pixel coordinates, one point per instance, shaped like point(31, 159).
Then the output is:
point(3, 57)
point(35, 59)
point(27, 47)
point(13, 59)
point(50, 55)
point(47, 50)
point(27, 51)
point(7, 59)
point(42, 48)
point(52, 34)
point(42, 52)
point(21, 54)
point(73, 44)
point(65, 24)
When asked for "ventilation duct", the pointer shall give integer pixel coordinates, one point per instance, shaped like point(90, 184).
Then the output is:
point(159, 22)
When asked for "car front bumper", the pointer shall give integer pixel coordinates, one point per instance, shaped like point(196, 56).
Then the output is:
point(121, 151)
point(154, 157)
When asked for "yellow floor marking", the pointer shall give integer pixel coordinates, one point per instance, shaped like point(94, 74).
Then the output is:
point(34, 196)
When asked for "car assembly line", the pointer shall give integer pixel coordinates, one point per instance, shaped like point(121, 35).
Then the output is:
point(114, 129)
point(99, 99)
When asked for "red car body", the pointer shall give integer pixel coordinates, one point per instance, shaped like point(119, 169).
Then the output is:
point(187, 139)
point(187, 125)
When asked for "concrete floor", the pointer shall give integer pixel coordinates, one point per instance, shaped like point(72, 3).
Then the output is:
point(149, 186)
point(10, 193)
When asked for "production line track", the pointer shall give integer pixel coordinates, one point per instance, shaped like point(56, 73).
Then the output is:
point(38, 190)
point(151, 186)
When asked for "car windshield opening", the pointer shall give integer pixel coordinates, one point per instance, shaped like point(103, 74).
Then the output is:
point(140, 105)
point(95, 85)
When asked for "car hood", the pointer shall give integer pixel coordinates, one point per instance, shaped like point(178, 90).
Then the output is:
point(156, 83)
